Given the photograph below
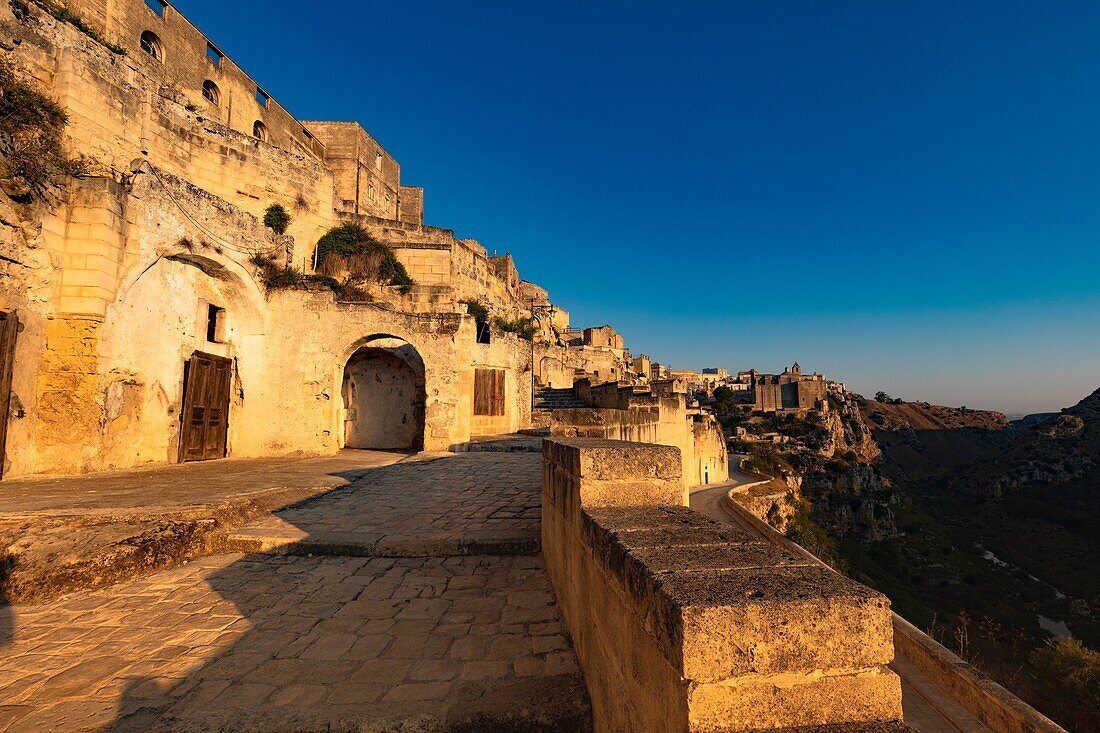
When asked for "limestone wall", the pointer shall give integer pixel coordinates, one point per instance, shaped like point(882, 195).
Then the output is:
point(115, 299)
point(367, 178)
point(681, 624)
point(121, 109)
point(513, 355)
point(665, 420)
point(185, 65)
point(995, 706)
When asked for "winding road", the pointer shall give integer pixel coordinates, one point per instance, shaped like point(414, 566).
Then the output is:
point(927, 707)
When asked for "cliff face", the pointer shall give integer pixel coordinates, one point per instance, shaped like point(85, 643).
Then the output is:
point(847, 429)
point(1000, 519)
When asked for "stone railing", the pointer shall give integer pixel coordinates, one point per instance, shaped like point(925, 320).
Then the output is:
point(990, 703)
point(683, 624)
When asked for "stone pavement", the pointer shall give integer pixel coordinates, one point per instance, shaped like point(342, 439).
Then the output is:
point(298, 644)
point(60, 534)
point(470, 503)
point(279, 642)
point(184, 485)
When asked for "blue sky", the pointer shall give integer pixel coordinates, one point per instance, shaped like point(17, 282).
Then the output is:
point(905, 196)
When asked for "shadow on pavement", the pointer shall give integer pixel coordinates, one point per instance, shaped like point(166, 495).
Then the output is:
point(306, 643)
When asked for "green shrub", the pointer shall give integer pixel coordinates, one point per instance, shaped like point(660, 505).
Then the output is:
point(275, 277)
point(525, 328)
point(350, 248)
point(277, 218)
point(811, 536)
point(477, 309)
point(31, 134)
point(1067, 677)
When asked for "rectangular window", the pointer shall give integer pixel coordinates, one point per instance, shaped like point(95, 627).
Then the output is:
point(215, 324)
point(157, 6)
point(370, 191)
point(261, 97)
point(489, 392)
point(214, 54)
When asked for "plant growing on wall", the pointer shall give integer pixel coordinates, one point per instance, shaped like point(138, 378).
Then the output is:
point(349, 248)
point(32, 155)
point(275, 277)
point(277, 218)
point(525, 328)
point(480, 312)
point(63, 14)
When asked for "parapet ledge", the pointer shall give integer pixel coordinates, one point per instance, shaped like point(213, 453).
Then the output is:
point(599, 459)
point(698, 622)
point(722, 604)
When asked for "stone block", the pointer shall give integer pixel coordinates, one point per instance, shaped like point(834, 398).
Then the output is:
point(769, 620)
point(796, 701)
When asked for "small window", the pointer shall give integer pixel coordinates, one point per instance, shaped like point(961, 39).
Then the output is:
point(157, 6)
point(261, 97)
point(215, 324)
point(378, 161)
point(259, 131)
point(210, 92)
point(150, 44)
point(214, 54)
point(370, 191)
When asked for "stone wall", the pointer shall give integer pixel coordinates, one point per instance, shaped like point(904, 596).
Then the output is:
point(120, 110)
point(992, 704)
point(118, 300)
point(681, 624)
point(513, 355)
point(367, 178)
point(620, 414)
point(185, 65)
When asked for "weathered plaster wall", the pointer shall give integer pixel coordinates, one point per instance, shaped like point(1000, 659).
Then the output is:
point(27, 282)
point(513, 354)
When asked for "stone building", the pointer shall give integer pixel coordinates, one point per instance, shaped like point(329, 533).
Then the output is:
point(657, 415)
point(145, 333)
point(791, 391)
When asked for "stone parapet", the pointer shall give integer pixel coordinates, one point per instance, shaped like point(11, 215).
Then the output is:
point(684, 624)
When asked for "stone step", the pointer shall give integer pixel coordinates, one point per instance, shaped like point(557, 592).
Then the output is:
point(278, 537)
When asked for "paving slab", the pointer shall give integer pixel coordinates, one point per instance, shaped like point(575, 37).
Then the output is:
point(281, 643)
point(461, 504)
point(60, 534)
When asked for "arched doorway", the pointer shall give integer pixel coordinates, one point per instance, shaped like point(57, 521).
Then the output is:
point(383, 392)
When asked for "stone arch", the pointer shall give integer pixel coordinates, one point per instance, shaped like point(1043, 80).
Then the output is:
point(156, 324)
point(384, 395)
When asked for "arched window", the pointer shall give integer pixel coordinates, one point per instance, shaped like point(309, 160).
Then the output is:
point(210, 92)
point(259, 131)
point(150, 44)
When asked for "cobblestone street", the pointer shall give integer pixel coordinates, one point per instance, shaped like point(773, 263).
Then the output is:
point(295, 643)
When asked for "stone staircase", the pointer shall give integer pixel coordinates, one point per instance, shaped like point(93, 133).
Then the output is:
point(557, 398)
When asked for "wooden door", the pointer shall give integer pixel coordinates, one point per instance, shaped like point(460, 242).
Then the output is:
point(9, 328)
point(489, 392)
point(205, 415)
